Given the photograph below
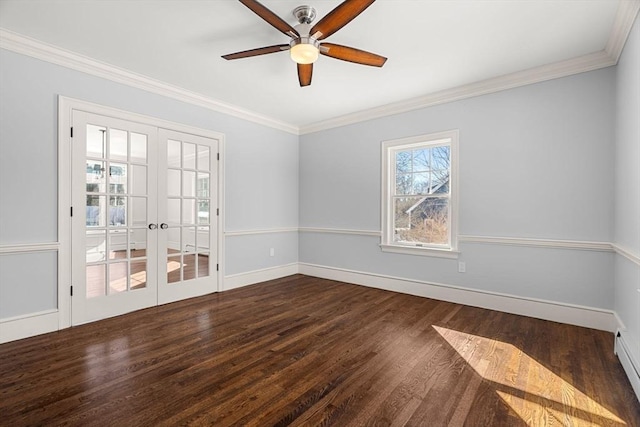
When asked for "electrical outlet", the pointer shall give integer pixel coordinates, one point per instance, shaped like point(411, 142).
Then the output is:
point(272, 252)
point(462, 267)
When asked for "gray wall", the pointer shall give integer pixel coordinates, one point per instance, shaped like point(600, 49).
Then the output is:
point(535, 162)
point(627, 185)
point(261, 169)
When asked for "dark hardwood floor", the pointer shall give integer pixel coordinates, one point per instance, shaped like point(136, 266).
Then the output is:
point(305, 351)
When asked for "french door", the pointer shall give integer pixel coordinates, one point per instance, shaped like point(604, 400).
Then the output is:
point(142, 232)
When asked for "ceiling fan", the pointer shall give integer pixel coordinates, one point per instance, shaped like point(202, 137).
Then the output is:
point(305, 44)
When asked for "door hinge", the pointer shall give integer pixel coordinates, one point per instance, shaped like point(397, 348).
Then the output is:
point(71, 131)
point(71, 290)
point(217, 211)
point(217, 267)
point(71, 210)
point(218, 156)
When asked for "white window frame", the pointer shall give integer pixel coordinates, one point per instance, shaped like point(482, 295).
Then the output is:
point(389, 148)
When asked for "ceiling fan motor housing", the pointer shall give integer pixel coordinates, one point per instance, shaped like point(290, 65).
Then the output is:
point(304, 14)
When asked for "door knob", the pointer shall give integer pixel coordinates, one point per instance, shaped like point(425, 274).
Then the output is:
point(153, 226)
point(164, 226)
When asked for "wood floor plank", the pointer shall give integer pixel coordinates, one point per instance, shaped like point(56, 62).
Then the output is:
point(306, 351)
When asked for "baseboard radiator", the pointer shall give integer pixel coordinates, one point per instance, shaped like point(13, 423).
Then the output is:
point(628, 362)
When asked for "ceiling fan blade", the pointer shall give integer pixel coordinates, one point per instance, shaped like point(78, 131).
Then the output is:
point(256, 52)
point(339, 17)
point(351, 54)
point(271, 18)
point(304, 74)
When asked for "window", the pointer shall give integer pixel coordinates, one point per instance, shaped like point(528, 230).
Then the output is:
point(419, 195)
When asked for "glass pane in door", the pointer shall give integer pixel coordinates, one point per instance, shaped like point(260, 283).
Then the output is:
point(116, 211)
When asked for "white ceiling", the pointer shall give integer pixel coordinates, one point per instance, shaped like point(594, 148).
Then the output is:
point(432, 45)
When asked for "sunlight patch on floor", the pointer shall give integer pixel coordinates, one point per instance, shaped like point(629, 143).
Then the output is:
point(532, 391)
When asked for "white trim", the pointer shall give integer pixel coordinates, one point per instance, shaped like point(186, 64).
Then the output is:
point(625, 16)
point(621, 326)
point(256, 276)
point(66, 106)
point(581, 64)
point(589, 317)
point(420, 251)
point(221, 213)
point(620, 31)
point(538, 243)
point(260, 231)
point(626, 253)
point(449, 138)
point(29, 247)
point(19, 327)
point(628, 362)
point(372, 233)
point(34, 48)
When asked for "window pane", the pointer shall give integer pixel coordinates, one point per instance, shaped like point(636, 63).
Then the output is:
point(188, 184)
point(95, 177)
point(189, 211)
point(189, 156)
point(440, 184)
point(173, 211)
point(138, 211)
point(189, 239)
point(174, 267)
point(421, 183)
point(118, 277)
point(118, 245)
point(139, 180)
point(421, 220)
point(138, 277)
point(189, 267)
point(173, 182)
point(96, 242)
point(203, 158)
point(203, 185)
point(173, 153)
point(138, 243)
point(96, 207)
point(421, 160)
point(118, 178)
point(96, 280)
point(95, 141)
point(118, 145)
point(203, 239)
point(403, 161)
point(117, 211)
point(203, 264)
point(441, 157)
point(138, 147)
point(403, 183)
point(203, 211)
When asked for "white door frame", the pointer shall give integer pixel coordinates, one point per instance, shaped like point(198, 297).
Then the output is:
point(65, 108)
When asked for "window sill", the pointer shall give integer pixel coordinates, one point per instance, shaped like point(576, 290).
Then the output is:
point(413, 250)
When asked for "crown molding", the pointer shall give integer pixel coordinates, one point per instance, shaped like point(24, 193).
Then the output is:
point(625, 16)
point(556, 70)
point(36, 49)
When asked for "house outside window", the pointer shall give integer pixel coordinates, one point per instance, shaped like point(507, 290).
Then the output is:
point(419, 195)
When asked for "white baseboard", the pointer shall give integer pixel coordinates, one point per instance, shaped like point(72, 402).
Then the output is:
point(631, 367)
point(34, 324)
point(256, 276)
point(588, 317)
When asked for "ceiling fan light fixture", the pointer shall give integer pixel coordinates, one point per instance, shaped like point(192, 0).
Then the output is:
point(304, 53)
